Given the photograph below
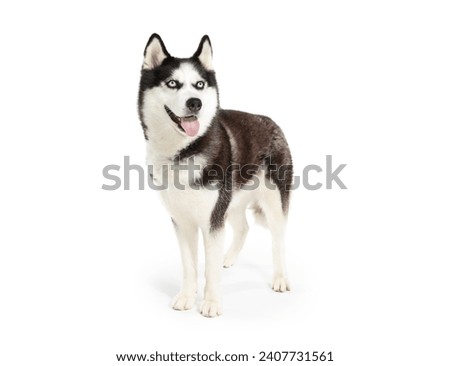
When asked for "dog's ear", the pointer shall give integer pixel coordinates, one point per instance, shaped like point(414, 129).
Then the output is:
point(155, 52)
point(204, 53)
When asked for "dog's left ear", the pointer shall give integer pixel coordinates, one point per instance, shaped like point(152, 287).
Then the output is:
point(204, 53)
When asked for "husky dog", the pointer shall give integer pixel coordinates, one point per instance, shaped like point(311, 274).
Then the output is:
point(241, 161)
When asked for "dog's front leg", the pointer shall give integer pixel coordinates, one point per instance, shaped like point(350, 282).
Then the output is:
point(212, 301)
point(188, 240)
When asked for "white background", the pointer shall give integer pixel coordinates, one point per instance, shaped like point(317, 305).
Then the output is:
point(87, 273)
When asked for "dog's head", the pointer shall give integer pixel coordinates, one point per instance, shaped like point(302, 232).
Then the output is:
point(177, 95)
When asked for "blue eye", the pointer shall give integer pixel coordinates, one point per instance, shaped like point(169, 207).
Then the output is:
point(172, 84)
point(200, 84)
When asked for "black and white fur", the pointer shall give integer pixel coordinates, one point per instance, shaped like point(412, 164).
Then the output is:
point(215, 194)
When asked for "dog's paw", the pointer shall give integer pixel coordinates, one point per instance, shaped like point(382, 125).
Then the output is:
point(230, 259)
point(281, 284)
point(183, 302)
point(211, 309)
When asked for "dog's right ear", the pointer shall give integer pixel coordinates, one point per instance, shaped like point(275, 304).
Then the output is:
point(155, 52)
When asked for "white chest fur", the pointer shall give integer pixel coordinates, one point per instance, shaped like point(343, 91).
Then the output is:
point(182, 195)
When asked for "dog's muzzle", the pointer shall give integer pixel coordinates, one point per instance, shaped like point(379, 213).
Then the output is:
point(188, 124)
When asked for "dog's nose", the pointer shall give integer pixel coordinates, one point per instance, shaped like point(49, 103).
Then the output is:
point(194, 104)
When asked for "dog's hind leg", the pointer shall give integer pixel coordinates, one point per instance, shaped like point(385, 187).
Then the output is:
point(280, 282)
point(187, 234)
point(276, 221)
point(238, 222)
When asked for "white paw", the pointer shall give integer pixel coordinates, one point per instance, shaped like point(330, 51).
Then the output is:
point(183, 301)
point(230, 259)
point(211, 309)
point(281, 284)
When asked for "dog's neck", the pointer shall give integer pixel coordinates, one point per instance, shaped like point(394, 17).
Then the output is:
point(164, 141)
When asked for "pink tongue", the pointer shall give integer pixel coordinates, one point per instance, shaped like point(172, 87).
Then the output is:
point(190, 126)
